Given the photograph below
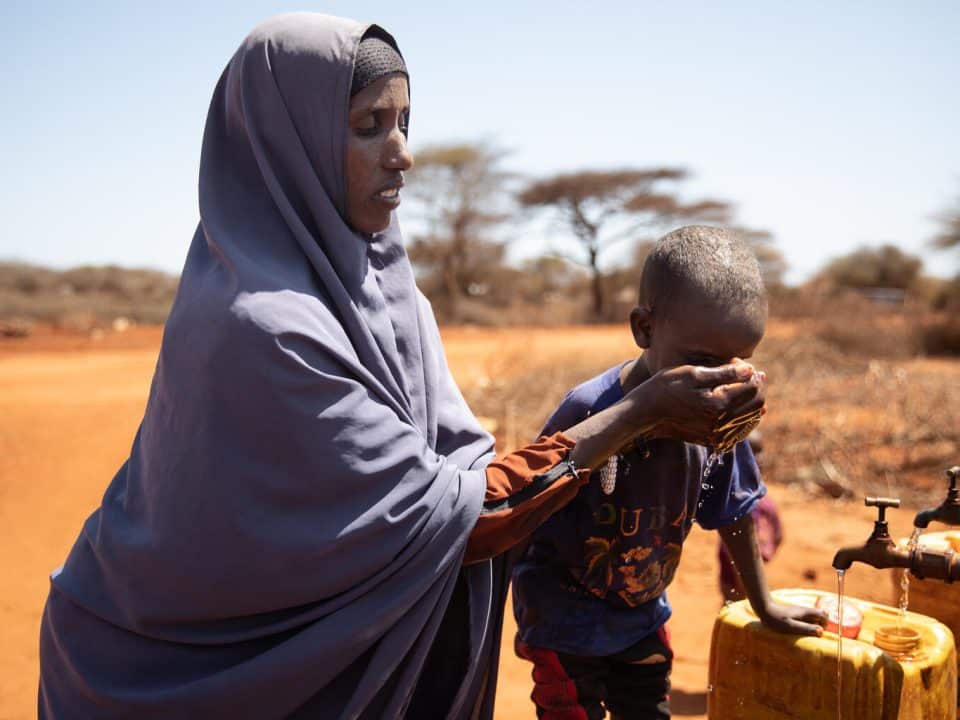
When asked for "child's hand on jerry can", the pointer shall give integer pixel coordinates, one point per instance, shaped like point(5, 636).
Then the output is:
point(709, 405)
point(795, 619)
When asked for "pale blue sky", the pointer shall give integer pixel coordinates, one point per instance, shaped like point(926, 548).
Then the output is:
point(831, 124)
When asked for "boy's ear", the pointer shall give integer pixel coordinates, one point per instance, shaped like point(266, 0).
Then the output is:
point(641, 323)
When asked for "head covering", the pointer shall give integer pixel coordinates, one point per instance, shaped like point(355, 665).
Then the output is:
point(287, 534)
point(376, 57)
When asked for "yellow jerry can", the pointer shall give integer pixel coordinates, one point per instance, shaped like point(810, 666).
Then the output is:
point(759, 674)
point(935, 598)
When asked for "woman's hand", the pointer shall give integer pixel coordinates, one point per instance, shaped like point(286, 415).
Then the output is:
point(687, 403)
point(690, 402)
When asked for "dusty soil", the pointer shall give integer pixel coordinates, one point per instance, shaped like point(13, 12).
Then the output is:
point(69, 407)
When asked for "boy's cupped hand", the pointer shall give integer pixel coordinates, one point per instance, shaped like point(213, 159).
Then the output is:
point(693, 402)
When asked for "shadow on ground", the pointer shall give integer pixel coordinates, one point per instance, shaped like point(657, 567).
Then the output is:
point(687, 703)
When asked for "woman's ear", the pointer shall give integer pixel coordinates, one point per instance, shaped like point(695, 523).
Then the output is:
point(641, 323)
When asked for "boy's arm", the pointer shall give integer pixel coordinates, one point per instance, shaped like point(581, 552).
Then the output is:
point(741, 541)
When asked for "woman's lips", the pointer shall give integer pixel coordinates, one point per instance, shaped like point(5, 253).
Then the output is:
point(389, 196)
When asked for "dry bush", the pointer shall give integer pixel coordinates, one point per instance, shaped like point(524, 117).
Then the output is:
point(940, 335)
point(870, 333)
point(15, 328)
point(860, 327)
point(839, 423)
point(886, 266)
point(520, 393)
point(851, 323)
point(856, 425)
point(86, 297)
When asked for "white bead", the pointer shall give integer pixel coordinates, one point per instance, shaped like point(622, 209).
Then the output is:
point(608, 476)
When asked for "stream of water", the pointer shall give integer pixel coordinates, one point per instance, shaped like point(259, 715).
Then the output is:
point(905, 580)
point(839, 644)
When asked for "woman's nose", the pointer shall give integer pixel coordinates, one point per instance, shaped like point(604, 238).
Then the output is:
point(398, 155)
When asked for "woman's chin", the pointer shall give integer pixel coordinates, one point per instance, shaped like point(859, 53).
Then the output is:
point(371, 225)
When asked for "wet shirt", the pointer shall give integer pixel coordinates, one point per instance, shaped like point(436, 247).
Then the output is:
point(592, 580)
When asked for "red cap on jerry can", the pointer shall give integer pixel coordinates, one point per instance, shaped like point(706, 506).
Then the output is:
point(852, 615)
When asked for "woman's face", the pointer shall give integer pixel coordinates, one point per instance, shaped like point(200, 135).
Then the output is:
point(377, 153)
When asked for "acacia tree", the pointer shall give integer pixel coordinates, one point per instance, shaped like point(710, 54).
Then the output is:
point(949, 235)
point(771, 260)
point(602, 207)
point(460, 191)
point(949, 238)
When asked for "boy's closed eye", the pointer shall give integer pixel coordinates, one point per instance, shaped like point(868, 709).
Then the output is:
point(705, 361)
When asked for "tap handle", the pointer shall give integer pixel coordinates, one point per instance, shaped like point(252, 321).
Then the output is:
point(881, 503)
point(952, 475)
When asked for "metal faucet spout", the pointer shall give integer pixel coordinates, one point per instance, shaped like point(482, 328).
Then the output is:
point(925, 517)
point(881, 552)
point(880, 555)
point(947, 512)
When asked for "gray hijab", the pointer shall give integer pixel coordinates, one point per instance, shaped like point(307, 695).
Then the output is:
point(286, 537)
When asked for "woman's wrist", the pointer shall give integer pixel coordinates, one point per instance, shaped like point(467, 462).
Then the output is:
point(600, 436)
point(643, 413)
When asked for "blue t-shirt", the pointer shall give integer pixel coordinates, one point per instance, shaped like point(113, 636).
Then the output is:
point(592, 580)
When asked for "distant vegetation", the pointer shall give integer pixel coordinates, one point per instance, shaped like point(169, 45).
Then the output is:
point(82, 298)
point(600, 224)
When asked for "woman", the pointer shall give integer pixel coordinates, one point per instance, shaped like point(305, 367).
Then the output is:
point(306, 522)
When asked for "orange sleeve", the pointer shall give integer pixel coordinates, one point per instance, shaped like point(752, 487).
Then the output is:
point(524, 488)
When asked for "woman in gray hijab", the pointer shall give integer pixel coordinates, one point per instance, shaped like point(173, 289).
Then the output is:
point(311, 522)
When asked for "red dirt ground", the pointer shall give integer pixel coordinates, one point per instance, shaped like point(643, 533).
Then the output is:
point(69, 407)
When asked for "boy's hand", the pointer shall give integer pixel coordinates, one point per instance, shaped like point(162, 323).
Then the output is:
point(691, 400)
point(741, 541)
point(794, 619)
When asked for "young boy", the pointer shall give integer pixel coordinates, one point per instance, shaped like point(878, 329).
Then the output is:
point(588, 592)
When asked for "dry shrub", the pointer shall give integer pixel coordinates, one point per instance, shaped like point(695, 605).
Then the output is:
point(520, 393)
point(873, 425)
point(78, 321)
point(850, 322)
point(839, 422)
point(15, 328)
point(553, 310)
point(941, 336)
point(86, 297)
point(869, 333)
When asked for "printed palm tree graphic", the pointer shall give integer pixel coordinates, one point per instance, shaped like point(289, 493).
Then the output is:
point(601, 554)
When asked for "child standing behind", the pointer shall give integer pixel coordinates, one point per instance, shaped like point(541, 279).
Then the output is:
point(588, 592)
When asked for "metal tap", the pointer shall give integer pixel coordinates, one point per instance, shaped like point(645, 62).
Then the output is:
point(948, 512)
point(881, 552)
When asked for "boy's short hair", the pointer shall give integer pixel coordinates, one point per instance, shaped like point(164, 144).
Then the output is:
point(709, 263)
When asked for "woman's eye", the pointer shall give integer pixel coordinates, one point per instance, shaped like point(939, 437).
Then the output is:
point(405, 123)
point(368, 126)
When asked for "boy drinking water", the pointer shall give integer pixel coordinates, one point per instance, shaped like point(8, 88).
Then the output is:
point(588, 592)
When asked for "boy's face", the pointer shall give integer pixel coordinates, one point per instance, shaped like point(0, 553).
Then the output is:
point(696, 333)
